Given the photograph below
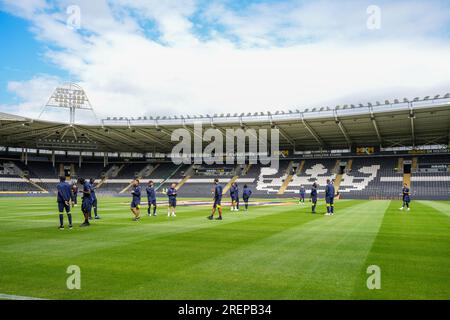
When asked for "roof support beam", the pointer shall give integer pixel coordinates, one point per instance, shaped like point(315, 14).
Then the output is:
point(342, 128)
point(12, 125)
point(127, 138)
point(111, 143)
point(313, 133)
point(412, 116)
point(284, 134)
point(147, 135)
point(375, 126)
point(33, 133)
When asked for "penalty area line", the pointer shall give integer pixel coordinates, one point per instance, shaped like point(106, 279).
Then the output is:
point(14, 297)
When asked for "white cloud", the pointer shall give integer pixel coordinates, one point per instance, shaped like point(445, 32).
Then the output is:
point(126, 73)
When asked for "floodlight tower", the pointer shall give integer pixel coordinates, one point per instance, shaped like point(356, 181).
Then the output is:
point(70, 96)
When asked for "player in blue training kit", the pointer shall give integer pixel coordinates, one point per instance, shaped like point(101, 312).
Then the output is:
point(74, 192)
point(234, 194)
point(302, 194)
point(172, 195)
point(94, 198)
point(135, 205)
point(218, 190)
point(246, 194)
point(314, 197)
point(237, 196)
point(63, 199)
point(85, 201)
point(151, 197)
point(329, 198)
point(406, 194)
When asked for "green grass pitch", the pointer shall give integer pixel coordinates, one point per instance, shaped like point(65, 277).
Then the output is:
point(271, 252)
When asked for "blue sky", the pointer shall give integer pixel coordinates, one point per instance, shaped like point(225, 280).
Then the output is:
point(22, 56)
point(186, 56)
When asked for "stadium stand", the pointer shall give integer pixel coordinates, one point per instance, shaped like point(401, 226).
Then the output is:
point(369, 178)
point(382, 146)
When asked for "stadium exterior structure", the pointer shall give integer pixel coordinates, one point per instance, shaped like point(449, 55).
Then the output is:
point(406, 123)
point(369, 151)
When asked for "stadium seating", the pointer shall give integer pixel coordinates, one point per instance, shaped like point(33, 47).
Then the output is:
point(369, 178)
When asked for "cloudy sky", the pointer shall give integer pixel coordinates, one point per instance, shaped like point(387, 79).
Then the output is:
point(175, 57)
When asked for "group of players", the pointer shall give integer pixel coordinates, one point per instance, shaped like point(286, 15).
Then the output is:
point(67, 198)
point(329, 196)
point(171, 193)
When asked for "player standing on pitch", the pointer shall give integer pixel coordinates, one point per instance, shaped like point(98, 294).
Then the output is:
point(237, 196)
point(329, 197)
point(246, 194)
point(234, 195)
point(406, 194)
point(136, 200)
point(63, 199)
point(85, 201)
point(314, 197)
point(94, 198)
point(172, 194)
point(74, 194)
point(151, 197)
point(217, 200)
point(302, 194)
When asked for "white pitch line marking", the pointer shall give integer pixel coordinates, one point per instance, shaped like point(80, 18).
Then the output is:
point(14, 297)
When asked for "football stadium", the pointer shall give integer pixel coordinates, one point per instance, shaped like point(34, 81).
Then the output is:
point(273, 248)
point(137, 163)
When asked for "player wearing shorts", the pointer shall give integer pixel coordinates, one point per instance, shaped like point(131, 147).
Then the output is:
point(135, 206)
point(94, 198)
point(234, 195)
point(172, 195)
point(302, 194)
point(151, 197)
point(329, 197)
point(314, 197)
point(217, 200)
point(85, 201)
point(406, 195)
point(63, 199)
point(74, 191)
point(246, 194)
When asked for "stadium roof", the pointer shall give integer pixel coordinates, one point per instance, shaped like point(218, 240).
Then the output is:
point(401, 123)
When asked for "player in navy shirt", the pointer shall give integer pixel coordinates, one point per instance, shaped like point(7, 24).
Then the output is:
point(406, 195)
point(135, 206)
point(237, 196)
point(302, 194)
point(94, 197)
point(74, 194)
point(218, 190)
point(246, 194)
point(63, 199)
point(234, 195)
point(151, 197)
point(172, 195)
point(86, 203)
point(314, 197)
point(329, 197)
